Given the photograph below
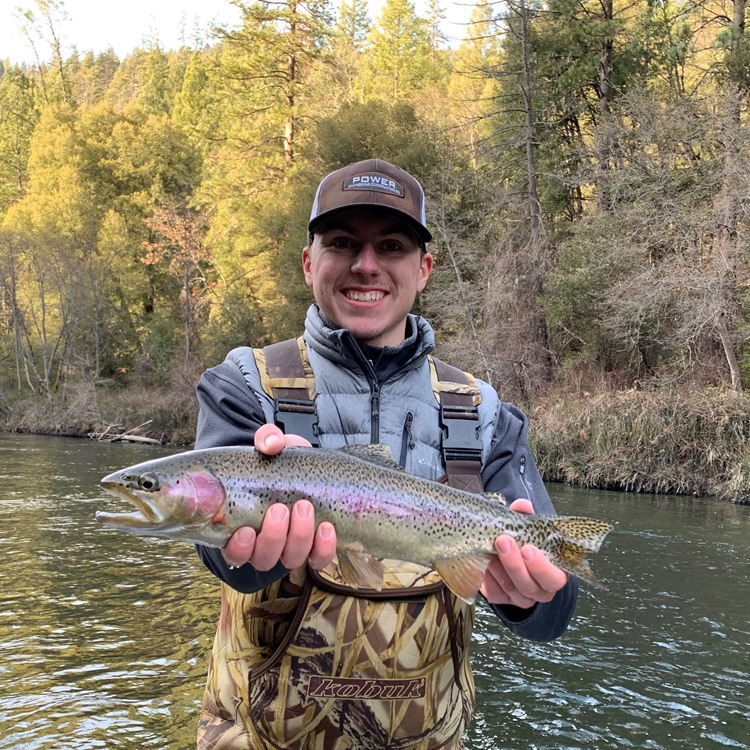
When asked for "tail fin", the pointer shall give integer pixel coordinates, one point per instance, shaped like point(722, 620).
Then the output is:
point(576, 538)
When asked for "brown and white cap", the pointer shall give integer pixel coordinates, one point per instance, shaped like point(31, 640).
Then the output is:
point(371, 184)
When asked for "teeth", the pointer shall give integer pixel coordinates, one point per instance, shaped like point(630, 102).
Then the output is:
point(365, 296)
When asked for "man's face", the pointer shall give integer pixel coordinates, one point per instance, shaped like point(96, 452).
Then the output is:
point(365, 270)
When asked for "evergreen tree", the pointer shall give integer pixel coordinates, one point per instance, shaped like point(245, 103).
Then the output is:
point(347, 48)
point(262, 78)
point(399, 58)
point(19, 114)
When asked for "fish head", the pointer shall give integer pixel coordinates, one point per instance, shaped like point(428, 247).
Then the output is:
point(172, 499)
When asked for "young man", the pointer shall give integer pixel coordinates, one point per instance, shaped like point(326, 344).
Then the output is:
point(300, 659)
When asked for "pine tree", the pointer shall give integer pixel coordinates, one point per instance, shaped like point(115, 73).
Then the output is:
point(399, 55)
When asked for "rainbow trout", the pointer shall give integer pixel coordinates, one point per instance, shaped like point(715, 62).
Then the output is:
point(379, 511)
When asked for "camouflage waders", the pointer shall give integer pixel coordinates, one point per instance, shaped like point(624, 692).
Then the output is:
point(304, 665)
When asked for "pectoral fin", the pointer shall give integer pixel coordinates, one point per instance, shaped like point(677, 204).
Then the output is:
point(464, 575)
point(360, 569)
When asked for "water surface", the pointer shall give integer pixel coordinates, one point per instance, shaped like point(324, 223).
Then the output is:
point(104, 637)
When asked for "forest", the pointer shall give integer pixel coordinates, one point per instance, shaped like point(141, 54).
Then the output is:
point(586, 166)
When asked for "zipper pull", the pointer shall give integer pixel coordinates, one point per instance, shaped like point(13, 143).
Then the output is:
point(407, 440)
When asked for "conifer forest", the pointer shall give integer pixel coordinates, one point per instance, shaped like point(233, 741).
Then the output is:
point(587, 172)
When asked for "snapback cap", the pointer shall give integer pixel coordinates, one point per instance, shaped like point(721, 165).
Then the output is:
point(371, 184)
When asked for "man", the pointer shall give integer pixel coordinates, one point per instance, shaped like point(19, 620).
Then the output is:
point(300, 660)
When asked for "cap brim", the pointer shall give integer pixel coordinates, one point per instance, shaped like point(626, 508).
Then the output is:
point(421, 232)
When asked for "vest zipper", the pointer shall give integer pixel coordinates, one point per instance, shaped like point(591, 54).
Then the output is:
point(375, 412)
point(407, 441)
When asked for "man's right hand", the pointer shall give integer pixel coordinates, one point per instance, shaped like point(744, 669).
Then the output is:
point(291, 538)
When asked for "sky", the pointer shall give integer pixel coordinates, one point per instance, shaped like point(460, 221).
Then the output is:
point(95, 25)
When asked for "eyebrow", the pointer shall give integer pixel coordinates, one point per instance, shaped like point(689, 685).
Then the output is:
point(340, 225)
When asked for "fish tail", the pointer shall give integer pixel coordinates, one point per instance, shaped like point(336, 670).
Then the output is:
point(573, 539)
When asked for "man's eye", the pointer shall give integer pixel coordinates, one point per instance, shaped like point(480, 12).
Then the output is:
point(392, 246)
point(341, 243)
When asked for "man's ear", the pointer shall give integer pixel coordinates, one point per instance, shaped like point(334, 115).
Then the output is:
point(425, 270)
point(307, 265)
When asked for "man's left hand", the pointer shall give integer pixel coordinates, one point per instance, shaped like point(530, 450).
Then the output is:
point(521, 576)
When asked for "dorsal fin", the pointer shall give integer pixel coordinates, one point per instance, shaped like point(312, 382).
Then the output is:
point(496, 497)
point(375, 453)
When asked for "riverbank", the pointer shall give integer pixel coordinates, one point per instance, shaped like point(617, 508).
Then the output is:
point(675, 441)
point(663, 441)
point(168, 416)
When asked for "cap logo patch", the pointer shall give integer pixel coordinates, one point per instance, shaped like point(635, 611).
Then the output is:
point(373, 181)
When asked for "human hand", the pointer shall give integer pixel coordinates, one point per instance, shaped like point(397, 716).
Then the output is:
point(521, 576)
point(289, 537)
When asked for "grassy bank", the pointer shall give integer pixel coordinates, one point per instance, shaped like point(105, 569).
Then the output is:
point(676, 441)
point(168, 416)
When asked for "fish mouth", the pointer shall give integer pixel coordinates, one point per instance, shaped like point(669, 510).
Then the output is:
point(147, 515)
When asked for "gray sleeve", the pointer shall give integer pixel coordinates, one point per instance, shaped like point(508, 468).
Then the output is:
point(511, 470)
point(230, 413)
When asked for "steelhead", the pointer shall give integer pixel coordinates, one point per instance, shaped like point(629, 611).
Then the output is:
point(379, 511)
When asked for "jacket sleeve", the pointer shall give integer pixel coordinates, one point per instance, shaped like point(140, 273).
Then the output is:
point(511, 470)
point(229, 414)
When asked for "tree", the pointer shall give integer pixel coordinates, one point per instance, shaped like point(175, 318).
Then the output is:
point(399, 58)
point(178, 244)
point(648, 289)
point(347, 49)
point(19, 115)
point(472, 88)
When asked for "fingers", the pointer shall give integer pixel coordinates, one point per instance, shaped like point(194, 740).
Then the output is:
point(522, 505)
point(521, 576)
point(289, 538)
point(324, 546)
point(269, 439)
point(299, 540)
point(239, 548)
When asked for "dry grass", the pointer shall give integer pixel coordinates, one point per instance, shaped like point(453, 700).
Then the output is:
point(166, 415)
point(676, 441)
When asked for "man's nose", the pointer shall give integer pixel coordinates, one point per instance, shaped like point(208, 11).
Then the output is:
point(366, 261)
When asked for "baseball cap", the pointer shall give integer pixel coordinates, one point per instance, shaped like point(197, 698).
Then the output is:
point(369, 184)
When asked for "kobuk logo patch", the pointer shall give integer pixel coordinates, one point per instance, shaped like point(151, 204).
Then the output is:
point(352, 689)
point(374, 181)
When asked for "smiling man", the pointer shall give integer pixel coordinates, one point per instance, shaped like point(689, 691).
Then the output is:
point(301, 659)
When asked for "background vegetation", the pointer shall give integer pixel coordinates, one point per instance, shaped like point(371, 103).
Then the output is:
point(586, 165)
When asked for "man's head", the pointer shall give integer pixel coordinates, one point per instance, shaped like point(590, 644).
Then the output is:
point(367, 257)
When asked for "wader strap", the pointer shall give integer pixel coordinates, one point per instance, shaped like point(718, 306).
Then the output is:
point(291, 382)
point(461, 444)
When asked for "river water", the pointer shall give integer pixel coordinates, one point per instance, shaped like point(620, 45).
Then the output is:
point(104, 637)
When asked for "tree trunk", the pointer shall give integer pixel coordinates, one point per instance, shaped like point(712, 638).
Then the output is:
point(605, 95)
point(726, 251)
point(535, 214)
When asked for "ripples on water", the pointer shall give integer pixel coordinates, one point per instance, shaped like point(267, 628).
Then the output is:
point(104, 637)
point(660, 661)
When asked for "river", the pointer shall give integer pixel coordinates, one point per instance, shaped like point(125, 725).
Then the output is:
point(104, 637)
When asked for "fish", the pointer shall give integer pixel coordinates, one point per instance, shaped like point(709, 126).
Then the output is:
point(380, 511)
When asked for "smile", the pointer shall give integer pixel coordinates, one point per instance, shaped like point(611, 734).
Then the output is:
point(372, 296)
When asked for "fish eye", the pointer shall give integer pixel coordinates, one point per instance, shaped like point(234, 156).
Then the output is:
point(148, 482)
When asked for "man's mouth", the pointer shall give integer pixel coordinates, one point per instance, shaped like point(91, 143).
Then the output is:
point(361, 296)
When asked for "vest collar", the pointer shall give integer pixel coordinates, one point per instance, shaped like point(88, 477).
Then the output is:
point(340, 347)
